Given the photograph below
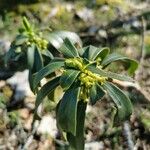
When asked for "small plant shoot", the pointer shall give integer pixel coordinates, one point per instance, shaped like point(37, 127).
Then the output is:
point(32, 48)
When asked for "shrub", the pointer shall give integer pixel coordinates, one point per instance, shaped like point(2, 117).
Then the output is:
point(83, 78)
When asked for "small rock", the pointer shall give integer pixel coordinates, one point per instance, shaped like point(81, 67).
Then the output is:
point(2, 83)
point(24, 113)
point(89, 109)
point(33, 145)
point(94, 146)
point(48, 126)
point(28, 123)
point(46, 144)
point(102, 33)
point(12, 139)
point(105, 8)
point(19, 81)
point(85, 14)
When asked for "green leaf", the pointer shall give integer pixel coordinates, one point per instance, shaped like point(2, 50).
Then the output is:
point(56, 94)
point(77, 142)
point(122, 102)
point(9, 55)
point(26, 24)
point(68, 49)
point(38, 61)
point(68, 77)
point(30, 78)
point(50, 68)
point(56, 38)
point(47, 53)
point(20, 39)
point(34, 61)
point(73, 37)
point(96, 93)
point(92, 52)
point(67, 111)
point(103, 52)
point(45, 90)
point(82, 50)
point(131, 64)
point(30, 56)
point(109, 74)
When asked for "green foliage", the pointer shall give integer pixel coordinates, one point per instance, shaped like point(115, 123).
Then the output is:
point(82, 76)
point(33, 50)
point(120, 99)
point(116, 57)
point(77, 141)
point(50, 68)
point(67, 110)
point(84, 80)
point(27, 47)
point(68, 78)
point(96, 93)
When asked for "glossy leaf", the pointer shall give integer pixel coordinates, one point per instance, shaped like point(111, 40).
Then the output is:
point(96, 93)
point(56, 38)
point(109, 74)
point(103, 53)
point(92, 52)
point(26, 24)
point(47, 53)
point(68, 49)
point(122, 102)
point(50, 68)
point(45, 90)
point(67, 111)
point(56, 94)
point(73, 37)
point(68, 77)
point(30, 56)
point(20, 39)
point(82, 50)
point(77, 142)
point(38, 61)
point(131, 64)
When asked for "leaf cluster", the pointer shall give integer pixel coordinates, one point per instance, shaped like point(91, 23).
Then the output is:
point(84, 79)
point(82, 76)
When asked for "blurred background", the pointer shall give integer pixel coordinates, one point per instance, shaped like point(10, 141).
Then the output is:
point(122, 25)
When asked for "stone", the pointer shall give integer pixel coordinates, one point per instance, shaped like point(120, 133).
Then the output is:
point(23, 113)
point(85, 14)
point(94, 146)
point(19, 81)
point(4, 46)
point(48, 126)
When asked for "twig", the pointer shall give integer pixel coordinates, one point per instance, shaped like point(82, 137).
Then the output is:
point(142, 55)
point(142, 40)
point(128, 135)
